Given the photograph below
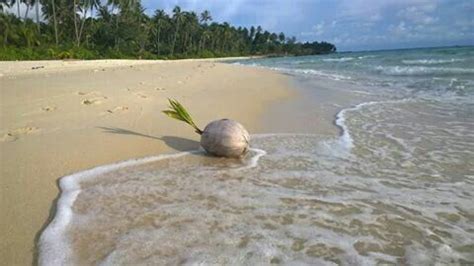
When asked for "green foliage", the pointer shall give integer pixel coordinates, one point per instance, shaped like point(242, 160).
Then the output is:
point(121, 29)
point(177, 111)
point(206, 54)
point(64, 55)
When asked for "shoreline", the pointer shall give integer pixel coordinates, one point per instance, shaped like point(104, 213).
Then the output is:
point(314, 108)
point(55, 125)
point(15, 68)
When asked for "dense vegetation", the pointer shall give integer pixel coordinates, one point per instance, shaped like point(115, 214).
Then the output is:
point(88, 29)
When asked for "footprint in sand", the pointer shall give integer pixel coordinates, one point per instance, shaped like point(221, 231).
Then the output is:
point(82, 93)
point(93, 101)
point(141, 95)
point(15, 134)
point(118, 109)
point(160, 89)
point(48, 108)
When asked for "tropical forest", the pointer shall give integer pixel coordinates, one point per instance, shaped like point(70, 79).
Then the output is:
point(95, 29)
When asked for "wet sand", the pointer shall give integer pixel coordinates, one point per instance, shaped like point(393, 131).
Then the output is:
point(60, 117)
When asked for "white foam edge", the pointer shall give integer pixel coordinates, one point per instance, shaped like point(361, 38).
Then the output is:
point(340, 121)
point(346, 138)
point(254, 160)
point(267, 135)
point(53, 244)
point(54, 248)
point(304, 71)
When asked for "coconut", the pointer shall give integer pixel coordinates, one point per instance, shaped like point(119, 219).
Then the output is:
point(223, 137)
point(226, 138)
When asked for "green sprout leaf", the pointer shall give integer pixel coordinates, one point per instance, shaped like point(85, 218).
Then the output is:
point(177, 111)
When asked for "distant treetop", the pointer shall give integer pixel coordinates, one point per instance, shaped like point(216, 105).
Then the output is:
point(121, 29)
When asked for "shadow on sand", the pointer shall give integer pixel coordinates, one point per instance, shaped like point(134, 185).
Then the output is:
point(177, 143)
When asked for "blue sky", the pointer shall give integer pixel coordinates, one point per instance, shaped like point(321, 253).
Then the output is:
point(350, 24)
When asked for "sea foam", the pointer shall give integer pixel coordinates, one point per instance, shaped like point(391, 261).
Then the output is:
point(421, 70)
point(54, 247)
point(432, 61)
point(342, 59)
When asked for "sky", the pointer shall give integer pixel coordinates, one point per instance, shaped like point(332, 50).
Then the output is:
point(350, 24)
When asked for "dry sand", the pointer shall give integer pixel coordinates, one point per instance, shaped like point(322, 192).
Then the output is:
point(59, 117)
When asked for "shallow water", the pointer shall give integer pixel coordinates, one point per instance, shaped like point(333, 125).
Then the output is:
point(395, 186)
point(299, 204)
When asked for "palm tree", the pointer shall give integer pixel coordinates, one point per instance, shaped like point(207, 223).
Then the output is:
point(281, 37)
point(5, 3)
point(206, 35)
point(124, 6)
point(28, 34)
point(55, 22)
point(7, 23)
point(190, 29)
point(37, 15)
point(50, 9)
point(28, 4)
point(225, 35)
point(84, 6)
point(252, 33)
point(76, 27)
point(178, 18)
point(205, 16)
point(159, 19)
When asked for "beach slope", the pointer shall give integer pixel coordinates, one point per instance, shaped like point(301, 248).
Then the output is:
point(59, 117)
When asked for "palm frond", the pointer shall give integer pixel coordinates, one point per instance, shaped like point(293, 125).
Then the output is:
point(177, 111)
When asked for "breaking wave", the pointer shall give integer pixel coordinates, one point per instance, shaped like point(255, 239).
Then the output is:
point(342, 59)
point(420, 70)
point(432, 61)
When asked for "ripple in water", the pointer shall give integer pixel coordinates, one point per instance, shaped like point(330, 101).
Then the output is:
point(390, 199)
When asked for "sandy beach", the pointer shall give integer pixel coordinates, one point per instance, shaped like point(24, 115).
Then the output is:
point(332, 133)
point(59, 117)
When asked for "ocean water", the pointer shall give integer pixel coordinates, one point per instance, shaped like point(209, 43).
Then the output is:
point(395, 186)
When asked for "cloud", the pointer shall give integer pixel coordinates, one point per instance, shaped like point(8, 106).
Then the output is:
point(350, 24)
point(400, 29)
point(418, 14)
point(273, 15)
point(318, 29)
point(374, 24)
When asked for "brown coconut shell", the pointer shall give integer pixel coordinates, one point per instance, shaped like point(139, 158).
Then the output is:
point(226, 138)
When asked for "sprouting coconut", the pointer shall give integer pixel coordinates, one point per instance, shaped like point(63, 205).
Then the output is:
point(223, 137)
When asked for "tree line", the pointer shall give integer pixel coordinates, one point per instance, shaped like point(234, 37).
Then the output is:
point(88, 29)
